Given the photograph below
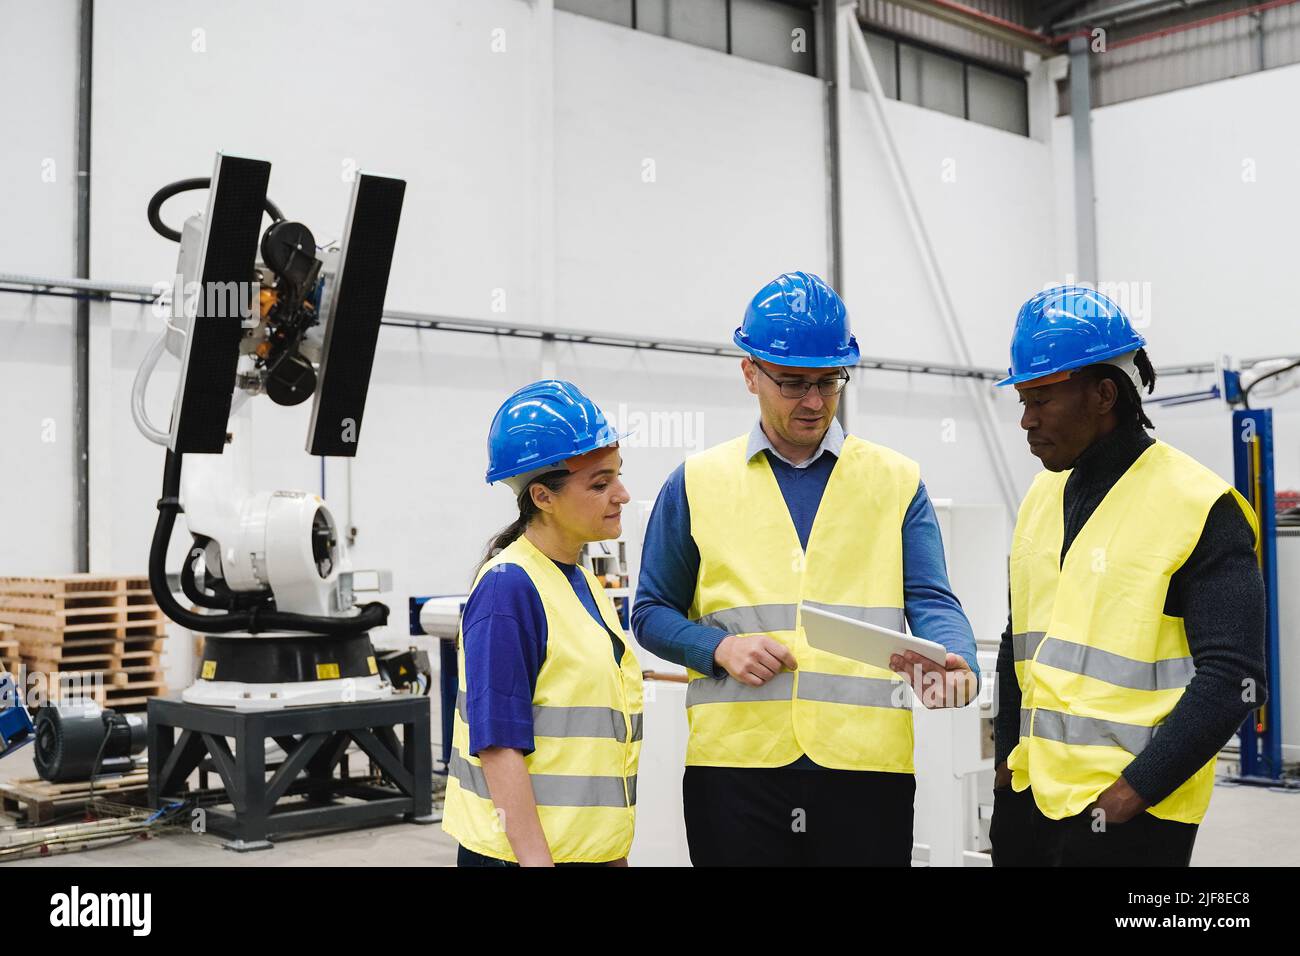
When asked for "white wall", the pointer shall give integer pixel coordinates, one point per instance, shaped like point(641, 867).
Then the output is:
point(685, 180)
point(985, 199)
point(38, 216)
point(1195, 197)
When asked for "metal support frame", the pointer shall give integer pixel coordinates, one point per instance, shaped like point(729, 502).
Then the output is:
point(541, 93)
point(980, 397)
point(81, 386)
point(835, 77)
point(1085, 208)
point(834, 56)
point(1252, 459)
point(448, 688)
point(315, 741)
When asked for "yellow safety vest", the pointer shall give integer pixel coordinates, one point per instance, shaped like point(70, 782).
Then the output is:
point(586, 728)
point(1099, 663)
point(754, 577)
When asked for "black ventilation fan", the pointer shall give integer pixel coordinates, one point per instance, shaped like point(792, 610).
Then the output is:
point(76, 740)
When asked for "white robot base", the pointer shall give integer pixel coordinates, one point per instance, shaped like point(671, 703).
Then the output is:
point(247, 697)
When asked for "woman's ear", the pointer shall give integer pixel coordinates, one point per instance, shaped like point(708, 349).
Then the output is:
point(542, 497)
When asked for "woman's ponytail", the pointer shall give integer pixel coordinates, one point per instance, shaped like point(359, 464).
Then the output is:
point(528, 510)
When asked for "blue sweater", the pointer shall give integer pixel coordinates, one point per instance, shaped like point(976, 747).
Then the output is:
point(670, 563)
point(505, 635)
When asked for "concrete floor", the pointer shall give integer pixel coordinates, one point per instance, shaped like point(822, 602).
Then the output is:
point(1246, 826)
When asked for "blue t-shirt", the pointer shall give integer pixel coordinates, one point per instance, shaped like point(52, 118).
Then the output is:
point(504, 635)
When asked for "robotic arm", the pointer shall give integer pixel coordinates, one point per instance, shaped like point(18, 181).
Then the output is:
point(254, 313)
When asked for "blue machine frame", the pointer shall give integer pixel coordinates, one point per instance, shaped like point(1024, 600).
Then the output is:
point(449, 679)
point(1252, 457)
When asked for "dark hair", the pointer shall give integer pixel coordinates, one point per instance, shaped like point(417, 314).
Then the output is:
point(1128, 405)
point(555, 482)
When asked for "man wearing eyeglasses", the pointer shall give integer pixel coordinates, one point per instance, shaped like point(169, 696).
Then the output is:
point(797, 756)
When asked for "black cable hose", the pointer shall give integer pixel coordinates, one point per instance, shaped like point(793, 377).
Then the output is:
point(99, 759)
point(253, 620)
point(182, 186)
point(222, 598)
point(1245, 392)
point(191, 587)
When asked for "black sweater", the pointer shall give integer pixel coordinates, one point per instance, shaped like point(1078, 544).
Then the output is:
point(1219, 594)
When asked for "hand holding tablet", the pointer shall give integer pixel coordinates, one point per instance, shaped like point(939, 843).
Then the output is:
point(941, 679)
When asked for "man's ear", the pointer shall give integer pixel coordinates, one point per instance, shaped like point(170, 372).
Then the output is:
point(1107, 393)
point(747, 369)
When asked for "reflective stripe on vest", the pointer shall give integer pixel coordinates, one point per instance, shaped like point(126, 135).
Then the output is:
point(1115, 668)
point(1025, 644)
point(1088, 731)
point(781, 617)
point(754, 576)
point(827, 688)
point(587, 729)
point(1099, 663)
point(574, 721)
point(550, 789)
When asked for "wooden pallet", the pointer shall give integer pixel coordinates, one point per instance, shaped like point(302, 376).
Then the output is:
point(39, 801)
point(9, 657)
point(102, 633)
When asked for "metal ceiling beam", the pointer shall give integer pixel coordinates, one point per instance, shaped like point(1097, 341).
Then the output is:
point(1128, 11)
point(977, 21)
point(1050, 12)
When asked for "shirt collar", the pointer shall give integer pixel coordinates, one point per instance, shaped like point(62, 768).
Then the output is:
point(832, 442)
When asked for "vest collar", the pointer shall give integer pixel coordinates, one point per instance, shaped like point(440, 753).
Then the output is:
point(832, 442)
point(547, 566)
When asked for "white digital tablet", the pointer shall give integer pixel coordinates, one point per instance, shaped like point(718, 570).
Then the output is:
point(869, 643)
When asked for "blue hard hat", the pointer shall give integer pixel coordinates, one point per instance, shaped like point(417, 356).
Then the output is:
point(543, 424)
point(1067, 327)
point(797, 319)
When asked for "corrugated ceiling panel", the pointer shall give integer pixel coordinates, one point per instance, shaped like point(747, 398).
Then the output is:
point(910, 23)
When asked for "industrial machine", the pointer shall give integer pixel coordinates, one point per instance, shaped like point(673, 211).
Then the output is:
point(266, 312)
point(79, 740)
point(74, 739)
point(287, 654)
point(16, 729)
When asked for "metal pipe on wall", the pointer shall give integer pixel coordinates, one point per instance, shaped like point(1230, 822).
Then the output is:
point(102, 291)
point(984, 415)
point(81, 365)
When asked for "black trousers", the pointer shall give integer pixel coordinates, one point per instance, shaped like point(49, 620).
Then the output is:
point(467, 857)
point(1022, 836)
point(795, 817)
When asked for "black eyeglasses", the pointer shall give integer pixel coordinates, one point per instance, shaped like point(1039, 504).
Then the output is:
point(827, 386)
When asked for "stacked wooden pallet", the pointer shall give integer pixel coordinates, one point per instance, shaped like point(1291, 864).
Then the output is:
point(39, 801)
point(88, 635)
point(8, 648)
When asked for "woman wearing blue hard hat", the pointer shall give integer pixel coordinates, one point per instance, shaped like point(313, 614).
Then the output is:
point(1137, 609)
point(548, 716)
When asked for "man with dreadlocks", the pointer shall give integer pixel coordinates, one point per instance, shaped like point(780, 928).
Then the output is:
point(1135, 646)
